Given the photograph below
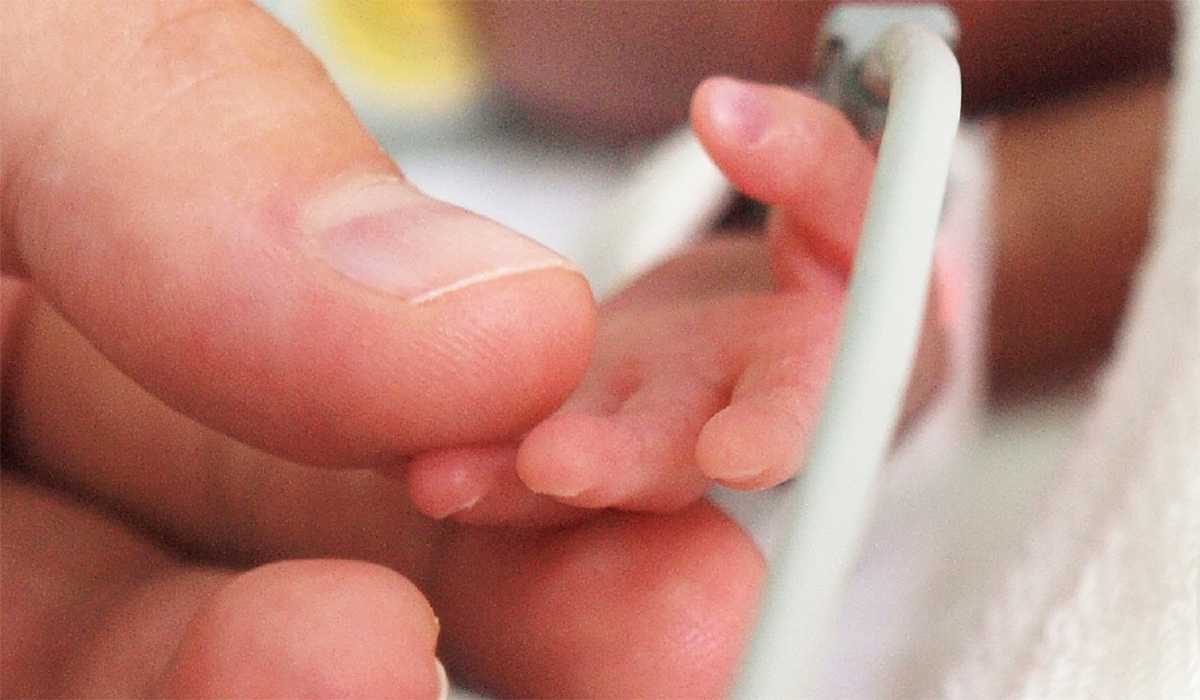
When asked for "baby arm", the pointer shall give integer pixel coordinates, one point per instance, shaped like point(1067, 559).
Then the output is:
point(712, 368)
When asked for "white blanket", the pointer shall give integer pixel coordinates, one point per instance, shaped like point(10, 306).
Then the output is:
point(1104, 604)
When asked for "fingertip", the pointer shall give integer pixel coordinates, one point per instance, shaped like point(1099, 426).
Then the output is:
point(478, 485)
point(564, 457)
point(443, 483)
point(731, 112)
point(790, 150)
point(310, 629)
point(382, 378)
point(743, 125)
point(481, 364)
point(749, 446)
point(627, 462)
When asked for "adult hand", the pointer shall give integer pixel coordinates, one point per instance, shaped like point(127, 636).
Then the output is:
point(214, 276)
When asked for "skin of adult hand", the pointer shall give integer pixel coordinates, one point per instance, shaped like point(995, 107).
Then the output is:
point(190, 192)
point(218, 289)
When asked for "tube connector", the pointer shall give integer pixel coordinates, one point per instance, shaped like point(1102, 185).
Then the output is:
point(848, 77)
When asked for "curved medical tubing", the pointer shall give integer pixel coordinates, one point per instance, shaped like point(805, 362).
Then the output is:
point(831, 503)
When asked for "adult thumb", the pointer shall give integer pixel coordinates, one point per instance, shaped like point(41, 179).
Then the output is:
point(185, 185)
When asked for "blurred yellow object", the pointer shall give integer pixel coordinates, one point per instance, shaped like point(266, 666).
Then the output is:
point(412, 50)
point(401, 63)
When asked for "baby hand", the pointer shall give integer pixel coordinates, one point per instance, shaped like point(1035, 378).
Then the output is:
point(713, 367)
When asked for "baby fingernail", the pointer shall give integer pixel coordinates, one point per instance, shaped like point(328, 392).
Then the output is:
point(382, 233)
point(740, 110)
point(559, 491)
point(556, 483)
point(455, 508)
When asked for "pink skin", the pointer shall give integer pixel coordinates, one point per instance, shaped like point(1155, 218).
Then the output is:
point(623, 605)
point(711, 369)
point(167, 171)
point(185, 317)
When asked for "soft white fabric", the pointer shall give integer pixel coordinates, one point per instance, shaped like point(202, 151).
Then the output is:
point(1104, 603)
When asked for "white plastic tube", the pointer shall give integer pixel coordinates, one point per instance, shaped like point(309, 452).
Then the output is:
point(676, 193)
point(831, 503)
